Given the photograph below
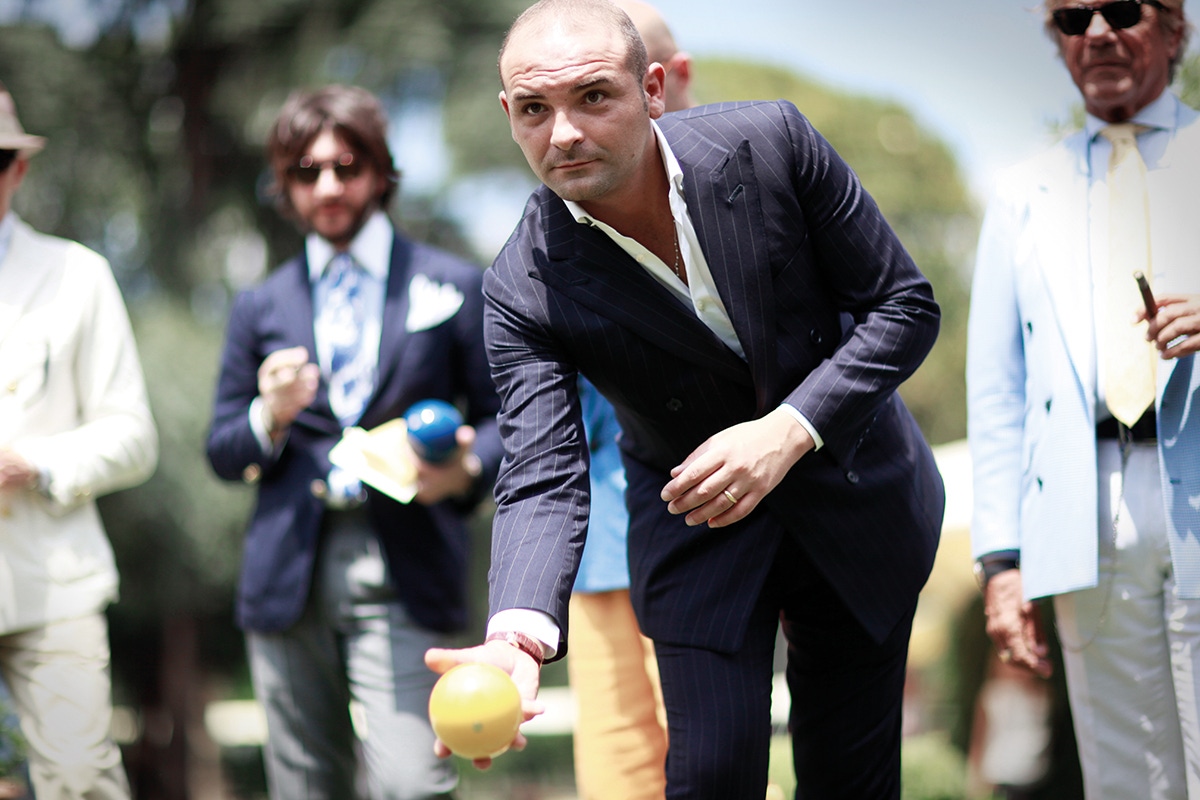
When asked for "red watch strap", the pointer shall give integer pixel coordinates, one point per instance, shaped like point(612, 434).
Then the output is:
point(523, 642)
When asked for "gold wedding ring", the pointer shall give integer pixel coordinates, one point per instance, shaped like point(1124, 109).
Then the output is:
point(730, 497)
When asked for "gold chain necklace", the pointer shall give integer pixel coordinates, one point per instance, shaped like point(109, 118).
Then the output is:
point(675, 265)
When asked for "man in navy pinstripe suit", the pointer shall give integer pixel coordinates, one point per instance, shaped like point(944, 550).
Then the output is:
point(725, 281)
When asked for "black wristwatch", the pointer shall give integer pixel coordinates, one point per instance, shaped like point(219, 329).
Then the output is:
point(992, 564)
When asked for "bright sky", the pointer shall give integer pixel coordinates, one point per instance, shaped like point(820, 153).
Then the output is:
point(980, 73)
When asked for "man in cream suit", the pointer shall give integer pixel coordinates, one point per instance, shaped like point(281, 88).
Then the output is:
point(74, 424)
point(1087, 460)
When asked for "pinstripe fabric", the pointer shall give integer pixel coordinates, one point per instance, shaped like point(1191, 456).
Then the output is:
point(792, 240)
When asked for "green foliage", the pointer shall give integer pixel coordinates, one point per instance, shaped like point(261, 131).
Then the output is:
point(1187, 80)
point(12, 741)
point(931, 769)
point(913, 177)
point(178, 541)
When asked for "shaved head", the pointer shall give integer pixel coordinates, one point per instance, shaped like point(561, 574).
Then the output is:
point(548, 15)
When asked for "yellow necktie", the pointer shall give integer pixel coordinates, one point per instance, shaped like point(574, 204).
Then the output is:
point(1128, 357)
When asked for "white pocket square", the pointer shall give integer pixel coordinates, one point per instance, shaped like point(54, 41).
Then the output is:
point(430, 303)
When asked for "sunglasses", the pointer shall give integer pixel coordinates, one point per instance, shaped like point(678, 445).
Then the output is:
point(346, 167)
point(1074, 20)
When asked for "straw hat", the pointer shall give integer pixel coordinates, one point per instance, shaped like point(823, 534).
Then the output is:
point(12, 135)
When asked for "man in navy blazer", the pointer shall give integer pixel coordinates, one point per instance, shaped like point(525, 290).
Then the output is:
point(344, 588)
point(725, 281)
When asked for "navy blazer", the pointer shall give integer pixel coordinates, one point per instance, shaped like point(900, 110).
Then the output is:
point(425, 547)
point(796, 247)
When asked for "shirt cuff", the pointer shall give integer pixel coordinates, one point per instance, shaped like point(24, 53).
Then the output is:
point(259, 426)
point(818, 442)
point(537, 624)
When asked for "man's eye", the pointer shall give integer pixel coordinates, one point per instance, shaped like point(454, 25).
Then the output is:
point(532, 109)
point(592, 98)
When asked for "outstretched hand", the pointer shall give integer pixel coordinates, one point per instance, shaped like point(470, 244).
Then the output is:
point(524, 671)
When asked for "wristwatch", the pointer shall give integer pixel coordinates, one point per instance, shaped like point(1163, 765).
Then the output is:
point(991, 565)
point(523, 642)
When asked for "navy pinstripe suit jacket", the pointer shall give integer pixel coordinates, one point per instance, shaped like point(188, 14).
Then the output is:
point(795, 245)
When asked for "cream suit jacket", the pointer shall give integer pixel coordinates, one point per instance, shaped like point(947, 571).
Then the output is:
point(1031, 366)
point(73, 403)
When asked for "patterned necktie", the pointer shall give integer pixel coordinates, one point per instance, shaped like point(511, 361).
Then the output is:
point(351, 371)
point(1129, 383)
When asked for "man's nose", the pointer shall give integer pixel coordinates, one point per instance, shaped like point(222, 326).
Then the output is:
point(328, 182)
point(565, 134)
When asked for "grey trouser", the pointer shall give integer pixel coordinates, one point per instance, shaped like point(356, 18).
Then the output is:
point(356, 642)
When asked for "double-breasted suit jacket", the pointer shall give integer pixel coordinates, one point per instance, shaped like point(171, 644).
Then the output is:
point(797, 248)
point(1032, 365)
point(425, 547)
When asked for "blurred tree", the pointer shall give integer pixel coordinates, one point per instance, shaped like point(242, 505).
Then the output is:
point(915, 180)
point(1187, 80)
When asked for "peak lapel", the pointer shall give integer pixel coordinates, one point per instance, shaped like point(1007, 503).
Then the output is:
point(594, 271)
point(393, 335)
point(723, 201)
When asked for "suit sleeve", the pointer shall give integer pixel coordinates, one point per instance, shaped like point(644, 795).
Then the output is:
point(996, 379)
point(542, 494)
point(232, 445)
point(869, 275)
point(115, 444)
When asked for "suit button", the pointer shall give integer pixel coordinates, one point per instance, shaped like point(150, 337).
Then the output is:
point(319, 489)
point(252, 473)
point(852, 476)
point(674, 404)
point(815, 336)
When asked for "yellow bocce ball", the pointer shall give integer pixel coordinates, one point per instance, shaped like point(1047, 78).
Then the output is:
point(475, 709)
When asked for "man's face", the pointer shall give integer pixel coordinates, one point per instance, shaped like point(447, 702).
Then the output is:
point(10, 179)
point(337, 203)
point(1119, 72)
point(580, 117)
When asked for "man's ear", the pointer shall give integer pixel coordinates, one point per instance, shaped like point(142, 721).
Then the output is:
point(507, 113)
point(655, 86)
point(681, 68)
